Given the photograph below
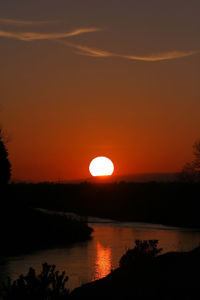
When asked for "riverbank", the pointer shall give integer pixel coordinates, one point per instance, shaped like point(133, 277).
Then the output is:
point(93, 259)
point(143, 273)
point(25, 229)
point(172, 275)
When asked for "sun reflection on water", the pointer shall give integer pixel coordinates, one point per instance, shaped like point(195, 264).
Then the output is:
point(103, 261)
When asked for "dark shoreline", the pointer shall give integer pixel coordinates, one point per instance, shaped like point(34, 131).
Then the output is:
point(172, 275)
point(143, 225)
point(26, 230)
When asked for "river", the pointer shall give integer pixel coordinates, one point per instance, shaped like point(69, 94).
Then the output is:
point(94, 259)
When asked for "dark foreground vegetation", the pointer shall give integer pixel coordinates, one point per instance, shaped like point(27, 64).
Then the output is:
point(143, 273)
point(173, 203)
point(48, 285)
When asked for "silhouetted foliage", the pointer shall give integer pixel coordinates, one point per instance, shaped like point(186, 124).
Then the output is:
point(191, 170)
point(143, 251)
point(48, 285)
point(172, 275)
point(188, 173)
point(5, 166)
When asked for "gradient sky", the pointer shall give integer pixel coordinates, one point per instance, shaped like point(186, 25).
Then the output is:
point(80, 79)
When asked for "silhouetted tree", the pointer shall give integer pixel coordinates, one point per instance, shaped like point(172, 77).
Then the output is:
point(196, 161)
point(48, 285)
point(5, 166)
point(191, 170)
point(143, 252)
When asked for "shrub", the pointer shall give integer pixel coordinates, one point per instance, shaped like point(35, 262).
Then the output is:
point(143, 251)
point(48, 285)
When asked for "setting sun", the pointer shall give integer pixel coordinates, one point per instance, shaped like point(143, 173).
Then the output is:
point(101, 166)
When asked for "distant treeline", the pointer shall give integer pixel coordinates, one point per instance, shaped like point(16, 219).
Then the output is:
point(172, 203)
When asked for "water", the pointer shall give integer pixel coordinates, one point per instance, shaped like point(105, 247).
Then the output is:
point(94, 259)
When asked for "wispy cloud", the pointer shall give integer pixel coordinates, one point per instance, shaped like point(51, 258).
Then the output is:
point(88, 51)
point(31, 36)
point(19, 22)
point(80, 49)
point(162, 56)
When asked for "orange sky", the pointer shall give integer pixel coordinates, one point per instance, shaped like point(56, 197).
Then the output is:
point(118, 79)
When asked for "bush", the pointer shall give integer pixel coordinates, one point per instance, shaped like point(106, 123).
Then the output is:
point(48, 285)
point(143, 251)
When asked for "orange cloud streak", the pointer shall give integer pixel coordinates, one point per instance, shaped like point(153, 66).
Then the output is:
point(31, 36)
point(87, 51)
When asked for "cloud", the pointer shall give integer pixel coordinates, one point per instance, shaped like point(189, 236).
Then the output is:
point(83, 50)
point(17, 22)
point(88, 51)
point(31, 36)
point(162, 56)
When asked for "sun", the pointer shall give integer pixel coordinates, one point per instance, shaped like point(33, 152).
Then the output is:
point(101, 166)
